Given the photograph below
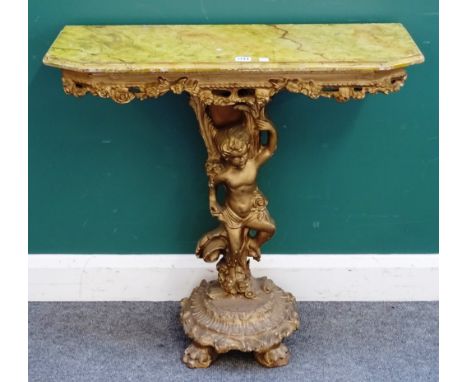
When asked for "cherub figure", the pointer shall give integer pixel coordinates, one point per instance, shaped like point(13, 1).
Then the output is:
point(246, 223)
point(244, 208)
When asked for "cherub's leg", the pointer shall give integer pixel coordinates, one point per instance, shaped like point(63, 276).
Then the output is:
point(234, 272)
point(235, 240)
point(264, 233)
point(233, 260)
point(265, 230)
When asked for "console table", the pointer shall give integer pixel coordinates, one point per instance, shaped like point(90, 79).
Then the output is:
point(231, 72)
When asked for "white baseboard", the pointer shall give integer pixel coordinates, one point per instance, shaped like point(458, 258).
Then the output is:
point(172, 277)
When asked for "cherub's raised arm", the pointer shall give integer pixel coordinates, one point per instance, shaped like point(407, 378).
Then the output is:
point(266, 151)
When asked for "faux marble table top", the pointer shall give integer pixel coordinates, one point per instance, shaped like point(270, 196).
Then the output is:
point(221, 48)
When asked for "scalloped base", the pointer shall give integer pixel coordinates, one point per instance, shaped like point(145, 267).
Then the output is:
point(222, 322)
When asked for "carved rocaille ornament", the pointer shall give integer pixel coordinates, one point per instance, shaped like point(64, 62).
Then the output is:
point(220, 322)
point(226, 93)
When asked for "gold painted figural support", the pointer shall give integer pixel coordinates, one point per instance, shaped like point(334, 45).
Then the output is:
point(237, 312)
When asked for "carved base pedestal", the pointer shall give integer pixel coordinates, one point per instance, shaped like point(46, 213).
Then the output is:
point(218, 322)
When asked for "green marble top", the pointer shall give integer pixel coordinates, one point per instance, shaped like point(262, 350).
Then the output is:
point(218, 48)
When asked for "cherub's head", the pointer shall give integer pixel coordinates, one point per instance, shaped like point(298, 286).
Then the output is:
point(234, 146)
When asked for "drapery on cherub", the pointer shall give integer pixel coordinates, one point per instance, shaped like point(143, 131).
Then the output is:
point(245, 221)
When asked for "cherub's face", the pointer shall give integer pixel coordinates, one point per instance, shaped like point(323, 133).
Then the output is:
point(238, 161)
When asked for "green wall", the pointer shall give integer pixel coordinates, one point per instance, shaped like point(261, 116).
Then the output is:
point(359, 177)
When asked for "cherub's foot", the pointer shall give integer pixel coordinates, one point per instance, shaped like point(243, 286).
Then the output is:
point(274, 357)
point(197, 356)
point(254, 249)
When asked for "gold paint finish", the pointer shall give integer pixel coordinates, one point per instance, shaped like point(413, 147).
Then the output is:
point(235, 155)
point(233, 88)
point(222, 322)
point(230, 73)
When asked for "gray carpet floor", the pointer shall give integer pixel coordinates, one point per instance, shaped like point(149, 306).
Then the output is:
point(143, 341)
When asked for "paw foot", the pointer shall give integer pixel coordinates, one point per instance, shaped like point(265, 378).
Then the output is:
point(274, 357)
point(197, 356)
